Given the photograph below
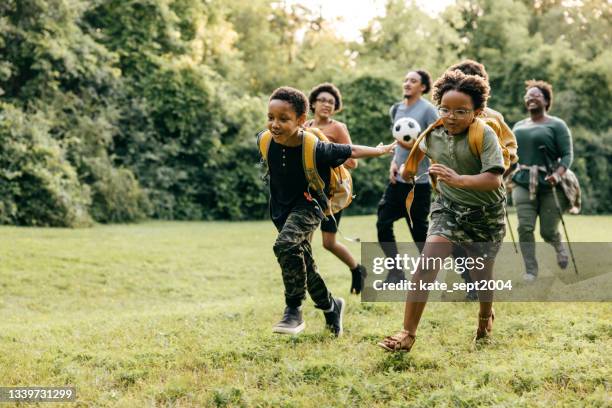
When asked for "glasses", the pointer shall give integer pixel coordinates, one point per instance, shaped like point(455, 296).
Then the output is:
point(327, 101)
point(533, 95)
point(458, 113)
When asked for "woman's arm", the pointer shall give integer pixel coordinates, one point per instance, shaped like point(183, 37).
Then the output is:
point(487, 181)
point(343, 136)
point(563, 140)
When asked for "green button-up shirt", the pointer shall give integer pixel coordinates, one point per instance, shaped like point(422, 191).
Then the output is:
point(454, 151)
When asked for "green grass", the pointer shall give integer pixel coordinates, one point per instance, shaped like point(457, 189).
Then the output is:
point(179, 314)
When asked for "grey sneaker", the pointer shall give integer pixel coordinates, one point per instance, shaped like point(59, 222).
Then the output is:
point(291, 323)
point(529, 277)
point(562, 257)
point(333, 319)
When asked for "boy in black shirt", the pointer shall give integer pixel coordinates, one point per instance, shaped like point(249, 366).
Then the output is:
point(295, 215)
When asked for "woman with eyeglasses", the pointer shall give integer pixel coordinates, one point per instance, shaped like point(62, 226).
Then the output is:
point(325, 101)
point(541, 138)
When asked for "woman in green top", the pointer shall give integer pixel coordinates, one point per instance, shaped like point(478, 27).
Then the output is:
point(533, 191)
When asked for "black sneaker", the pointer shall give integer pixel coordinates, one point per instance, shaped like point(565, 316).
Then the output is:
point(333, 319)
point(291, 323)
point(472, 295)
point(358, 277)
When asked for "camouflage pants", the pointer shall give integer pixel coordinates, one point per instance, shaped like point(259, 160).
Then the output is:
point(480, 230)
point(294, 254)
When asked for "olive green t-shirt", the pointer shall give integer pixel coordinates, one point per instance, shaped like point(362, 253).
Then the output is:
point(454, 151)
point(554, 135)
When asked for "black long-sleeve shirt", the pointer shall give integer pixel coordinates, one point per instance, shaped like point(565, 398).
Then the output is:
point(287, 179)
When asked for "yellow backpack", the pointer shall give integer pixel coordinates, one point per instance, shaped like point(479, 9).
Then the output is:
point(339, 193)
point(493, 119)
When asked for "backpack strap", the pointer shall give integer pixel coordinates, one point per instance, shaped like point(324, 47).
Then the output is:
point(318, 133)
point(309, 162)
point(476, 134)
point(263, 143)
point(411, 165)
point(507, 138)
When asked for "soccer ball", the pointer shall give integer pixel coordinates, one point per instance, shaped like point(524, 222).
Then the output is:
point(405, 129)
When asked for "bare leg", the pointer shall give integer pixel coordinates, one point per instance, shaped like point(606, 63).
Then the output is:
point(336, 248)
point(435, 247)
point(485, 296)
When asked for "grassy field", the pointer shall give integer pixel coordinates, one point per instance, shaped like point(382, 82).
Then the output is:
point(180, 314)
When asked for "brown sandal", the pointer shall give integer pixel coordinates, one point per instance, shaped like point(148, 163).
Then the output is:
point(480, 333)
point(402, 341)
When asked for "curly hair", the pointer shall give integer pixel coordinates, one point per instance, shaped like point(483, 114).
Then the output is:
point(474, 86)
point(471, 67)
point(425, 79)
point(329, 88)
point(294, 97)
point(544, 87)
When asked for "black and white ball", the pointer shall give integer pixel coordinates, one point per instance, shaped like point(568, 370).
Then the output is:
point(405, 129)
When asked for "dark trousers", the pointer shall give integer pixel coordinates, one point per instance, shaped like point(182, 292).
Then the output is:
point(294, 254)
point(392, 207)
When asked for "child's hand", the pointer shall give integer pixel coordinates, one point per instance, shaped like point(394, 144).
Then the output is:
point(386, 149)
point(446, 174)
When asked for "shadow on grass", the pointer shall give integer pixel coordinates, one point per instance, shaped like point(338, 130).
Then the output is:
point(315, 338)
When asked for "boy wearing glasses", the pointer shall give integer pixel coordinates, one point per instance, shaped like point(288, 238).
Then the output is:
point(469, 208)
point(392, 205)
point(471, 67)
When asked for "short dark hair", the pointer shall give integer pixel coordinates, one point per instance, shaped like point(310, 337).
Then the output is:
point(471, 67)
point(544, 87)
point(329, 88)
point(472, 85)
point(425, 79)
point(294, 97)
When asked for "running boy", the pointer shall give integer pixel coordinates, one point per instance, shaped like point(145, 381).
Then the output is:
point(469, 209)
point(471, 67)
point(295, 214)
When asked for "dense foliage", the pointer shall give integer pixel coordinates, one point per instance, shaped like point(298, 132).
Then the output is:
point(117, 110)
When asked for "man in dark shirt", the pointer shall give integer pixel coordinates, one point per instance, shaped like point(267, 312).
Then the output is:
point(295, 213)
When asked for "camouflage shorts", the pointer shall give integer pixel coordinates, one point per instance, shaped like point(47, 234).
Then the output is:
point(478, 229)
